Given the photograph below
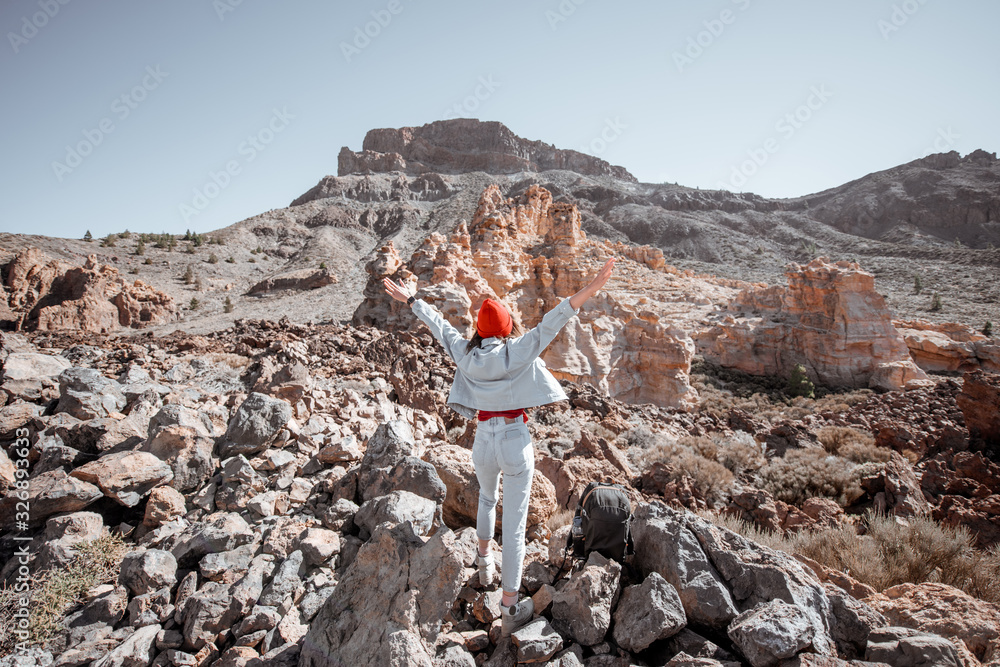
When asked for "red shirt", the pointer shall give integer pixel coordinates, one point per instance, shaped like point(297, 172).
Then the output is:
point(513, 414)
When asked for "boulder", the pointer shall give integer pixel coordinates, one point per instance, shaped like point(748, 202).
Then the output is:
point(648, 612)
point(582, 607)
point(397, 507)
point(391, 600)
point(86, 394)
point(757, 574)
point(943, 610)
point(27, 374)
point(220, 531)
point(903, 647)
point(125, 476)
point(50, 493)
point(186, 450)
point(138, 649)
point(164, 504)
point(771, 632)
point(63, 533)
point(147, 570)
point(255, 424)
point(536, 641)
point(664, 544)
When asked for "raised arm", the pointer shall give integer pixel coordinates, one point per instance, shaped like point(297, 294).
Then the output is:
point(523, 350)
point(451, 339)
point(596, 284)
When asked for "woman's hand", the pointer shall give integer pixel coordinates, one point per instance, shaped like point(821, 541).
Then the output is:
point(399, 292)
point(596, 284)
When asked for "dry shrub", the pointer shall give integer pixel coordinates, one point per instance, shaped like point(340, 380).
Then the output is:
point(686, 458)
point(561, 517)
point(810, 473)
point(852, 444)
point(55, 592)
point(741, 454)
point(834, 437)
point(892, 552)
point(235, 361)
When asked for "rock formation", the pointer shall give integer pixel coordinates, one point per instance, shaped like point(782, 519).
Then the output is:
point(829, 319)
point(530, 253)
point(304, 279)
point(48, 294)
point(465, 145)
point(948, 346)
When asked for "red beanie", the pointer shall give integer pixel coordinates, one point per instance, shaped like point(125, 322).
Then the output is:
point(494, 320)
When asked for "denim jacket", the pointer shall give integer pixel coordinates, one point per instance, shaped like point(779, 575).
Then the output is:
point(503, 374)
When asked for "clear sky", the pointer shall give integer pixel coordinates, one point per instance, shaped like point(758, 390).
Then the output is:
point(164, 116)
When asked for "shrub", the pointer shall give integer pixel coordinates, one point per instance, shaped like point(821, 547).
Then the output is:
point(810, 473)
point(126, 234)
point(109, 241)
point(88, 237)
point(834, 437)
point(252, 260)
point(134, 270)
point(689, 457)
point(140, 248)
point(322, 266)
point(231, 260)
point(918, 284)
point(741, 454)
point(54, 592)
point(188, 277)
point(799, 383)
point(988, 329)
point(212, 259)
point(199, 284)
point(148, 261)
point(194, 304)
point(228, 305)
point(936, 303)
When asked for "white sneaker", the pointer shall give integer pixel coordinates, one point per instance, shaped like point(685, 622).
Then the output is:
point(515, 616)
point(487, 570)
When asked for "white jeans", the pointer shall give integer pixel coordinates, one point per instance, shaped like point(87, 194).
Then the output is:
point(502, 447)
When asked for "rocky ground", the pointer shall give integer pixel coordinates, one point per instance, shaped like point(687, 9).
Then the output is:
point(284, 484)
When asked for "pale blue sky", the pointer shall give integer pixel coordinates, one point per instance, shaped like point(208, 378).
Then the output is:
point(874, 83)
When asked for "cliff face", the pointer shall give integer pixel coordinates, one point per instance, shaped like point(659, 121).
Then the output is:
point(829, 318)
point(464, 145)
point(530, 253)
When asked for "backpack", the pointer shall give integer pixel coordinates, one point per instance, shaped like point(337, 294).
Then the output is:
point(602, 523)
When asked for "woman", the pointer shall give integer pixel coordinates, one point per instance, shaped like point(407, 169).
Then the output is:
point(497, 376)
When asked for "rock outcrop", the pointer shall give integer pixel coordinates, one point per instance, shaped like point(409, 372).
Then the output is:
point(464, 145)
point(530, 253)
point(303, 279)
point(47, 294)
point(948, 346)
point(829, 319)
point(979, 401)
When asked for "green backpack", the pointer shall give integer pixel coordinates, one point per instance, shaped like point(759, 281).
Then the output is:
point(602, 523)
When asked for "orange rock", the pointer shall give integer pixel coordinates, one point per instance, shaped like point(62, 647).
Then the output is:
point(829, 318)
point(948, 346)
point(944, 610)
point(48, 294)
